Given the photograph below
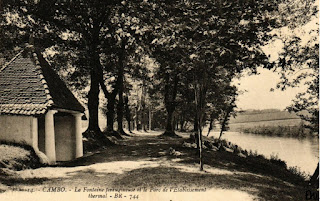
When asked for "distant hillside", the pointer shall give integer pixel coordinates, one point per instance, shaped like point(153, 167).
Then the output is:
point(262, 115)
point(263, 118)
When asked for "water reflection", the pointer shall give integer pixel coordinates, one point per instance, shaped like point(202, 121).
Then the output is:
point(303, 153)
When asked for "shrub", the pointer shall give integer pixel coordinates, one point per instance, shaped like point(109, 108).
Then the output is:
point(277, 161)
point(298, 172)
point(288, 131)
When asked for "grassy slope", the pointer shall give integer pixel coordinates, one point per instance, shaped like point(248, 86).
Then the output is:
point(260, 119)
point(263, 115)
point(17, 156)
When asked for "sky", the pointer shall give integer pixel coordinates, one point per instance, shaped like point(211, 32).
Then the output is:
point(258, 94)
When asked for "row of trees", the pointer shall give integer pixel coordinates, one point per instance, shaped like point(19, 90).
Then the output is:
point(183, 53)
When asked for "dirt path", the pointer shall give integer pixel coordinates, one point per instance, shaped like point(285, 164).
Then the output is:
point(141, 162)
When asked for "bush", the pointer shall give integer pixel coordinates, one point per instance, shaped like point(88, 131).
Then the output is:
point(277, 161)
point(288, 131)
point(298, 172)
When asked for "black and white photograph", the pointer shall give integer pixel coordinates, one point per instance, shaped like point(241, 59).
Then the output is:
point(159, 100)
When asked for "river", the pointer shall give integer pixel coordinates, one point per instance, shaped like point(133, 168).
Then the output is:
point(303, 153)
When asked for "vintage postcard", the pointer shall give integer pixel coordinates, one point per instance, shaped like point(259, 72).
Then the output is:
point(182, 100)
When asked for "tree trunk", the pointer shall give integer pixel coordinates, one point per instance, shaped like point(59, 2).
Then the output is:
point(210, 126)
point(169, 126)
point(170, 104)
point(143, 120)
point(93, 104)
point(200, 95)
point(111, 97)
point(93, 107)
point(127, 113)
point(136, 120)
point(120, 108)
point(110, 115)
point(96, 76)
point(110, 118)
point(120, 105)
point(225, 121)
point(143, 107)
point(199, 131)
point(200, 147)
point(175, 123)
point(129, 125)
point(93, 95)
point(120, 112)
point(196, 128)
point(150, 119)
point(195, 123)
point(182, 123)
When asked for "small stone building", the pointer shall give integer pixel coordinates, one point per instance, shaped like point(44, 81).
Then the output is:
point(37, 108)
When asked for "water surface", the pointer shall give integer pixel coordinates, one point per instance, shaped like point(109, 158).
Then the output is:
point(303, 153)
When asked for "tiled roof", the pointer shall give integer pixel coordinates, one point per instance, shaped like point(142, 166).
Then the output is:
point(29, 86)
